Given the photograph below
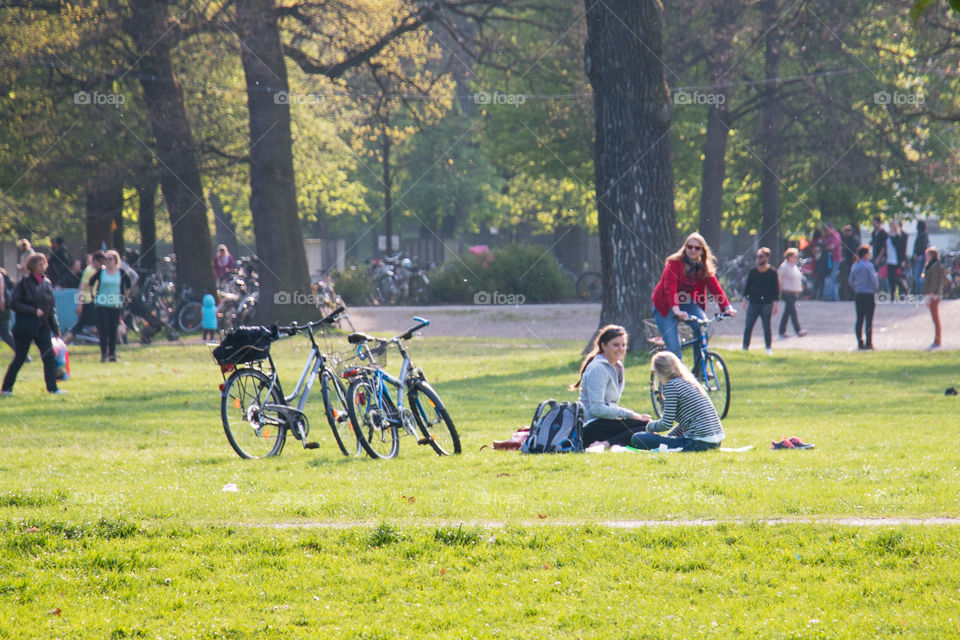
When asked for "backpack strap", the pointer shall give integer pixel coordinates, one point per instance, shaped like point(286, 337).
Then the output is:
point(544, 407)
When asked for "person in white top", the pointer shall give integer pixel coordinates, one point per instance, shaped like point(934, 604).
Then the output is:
point(791, 284)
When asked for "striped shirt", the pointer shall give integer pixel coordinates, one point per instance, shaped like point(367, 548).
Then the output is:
point(691, 410)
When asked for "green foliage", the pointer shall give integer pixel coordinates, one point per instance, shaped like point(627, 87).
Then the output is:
point(514, 270)
point(353, 284)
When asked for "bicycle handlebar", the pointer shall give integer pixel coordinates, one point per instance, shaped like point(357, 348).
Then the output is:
point(421, 323)
point(717, 317)
point(293, 328)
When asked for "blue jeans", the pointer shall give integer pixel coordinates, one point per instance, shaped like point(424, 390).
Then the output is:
point(647, 440)
point(918, 275)
point(671, 338)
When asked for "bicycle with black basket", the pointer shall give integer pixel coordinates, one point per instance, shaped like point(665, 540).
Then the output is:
point(378, 418)
point(255, 412)
point(711, 371)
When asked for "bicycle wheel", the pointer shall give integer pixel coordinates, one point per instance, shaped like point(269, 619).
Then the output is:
point(656, 395)
point(375, 432)
point(338, 414)
point(433, 420)
point(189, 317)
point(717, 383)
point(589, 286)
point(251, 431)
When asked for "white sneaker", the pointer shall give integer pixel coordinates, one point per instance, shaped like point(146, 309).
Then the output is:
point(769, 351)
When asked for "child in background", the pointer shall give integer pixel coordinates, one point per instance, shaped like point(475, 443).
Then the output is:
point(208, 320)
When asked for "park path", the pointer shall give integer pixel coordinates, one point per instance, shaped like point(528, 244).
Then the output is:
point(904, 326)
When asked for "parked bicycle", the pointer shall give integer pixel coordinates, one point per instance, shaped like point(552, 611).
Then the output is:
point(380, 419)
point(398, 279)
point(711, 372)
point(255, 412)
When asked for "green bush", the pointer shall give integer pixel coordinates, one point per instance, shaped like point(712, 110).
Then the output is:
point(515, 270)
point(353, 284)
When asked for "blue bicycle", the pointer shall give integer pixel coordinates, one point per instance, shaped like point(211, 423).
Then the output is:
point(712, 372)
point(379, 419)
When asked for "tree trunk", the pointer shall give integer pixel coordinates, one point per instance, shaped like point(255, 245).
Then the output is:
point(633, 172)
point(224, 226)
point(147, 219)
point(387, 190)
point(104, 204)
point(770, 151)
point(715, 147)
point(150, 27)
point(273, 201)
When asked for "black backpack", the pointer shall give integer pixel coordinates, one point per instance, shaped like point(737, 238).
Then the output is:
point(557, 427)
point(246, 344)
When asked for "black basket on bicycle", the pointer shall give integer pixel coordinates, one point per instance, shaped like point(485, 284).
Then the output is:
point(246, 344)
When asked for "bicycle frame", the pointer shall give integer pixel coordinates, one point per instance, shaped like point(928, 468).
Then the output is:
point(315, 361)
point(381, 378)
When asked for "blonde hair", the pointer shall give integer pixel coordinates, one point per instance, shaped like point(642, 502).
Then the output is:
point(706, 256)
point(666, 366)
point(789, 253)
point(112, 253)
point(24, 245)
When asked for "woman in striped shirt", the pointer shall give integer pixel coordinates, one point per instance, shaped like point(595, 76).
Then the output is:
point(686, 404)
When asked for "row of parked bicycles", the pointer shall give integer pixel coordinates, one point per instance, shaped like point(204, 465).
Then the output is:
point(367, 409)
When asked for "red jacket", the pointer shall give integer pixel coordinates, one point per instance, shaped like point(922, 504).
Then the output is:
point(665, 294)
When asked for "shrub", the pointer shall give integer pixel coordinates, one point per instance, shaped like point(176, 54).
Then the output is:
point(353, 284)
point(516, 269)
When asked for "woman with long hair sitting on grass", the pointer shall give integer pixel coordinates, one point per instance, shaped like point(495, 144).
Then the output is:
point(601, 385)
point(686, 405)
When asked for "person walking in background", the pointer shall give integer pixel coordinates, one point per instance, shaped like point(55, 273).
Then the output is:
point(920, 244)
point(682, 292)
point(112, 284)
point(832, 244)
point(6, 290)
point(25, 249)
point(86, 315)
point(36, 322)
point(223, 263)
point(60, 262)
point(760, 298)
point(878, 247)
point(896, 260)
point(865, 283)
point(851, 241)
point(791, 285)
point(933, 290)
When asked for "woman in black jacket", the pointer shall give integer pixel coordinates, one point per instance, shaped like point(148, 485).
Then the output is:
point(32, 301)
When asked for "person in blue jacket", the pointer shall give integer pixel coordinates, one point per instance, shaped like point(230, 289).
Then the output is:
point(208, 319)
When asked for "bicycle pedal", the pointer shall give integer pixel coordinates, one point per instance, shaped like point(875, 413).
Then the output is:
point(311, 445)
point(424, 441)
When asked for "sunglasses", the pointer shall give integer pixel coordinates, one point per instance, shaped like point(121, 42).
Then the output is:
point(695, 247)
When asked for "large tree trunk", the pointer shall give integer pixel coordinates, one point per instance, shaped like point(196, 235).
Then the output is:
point(147, 219)
point(151, 28)
point(104, 204)
point(273, 202)
point(770, 151)
point(225, 227)
point(634, 176)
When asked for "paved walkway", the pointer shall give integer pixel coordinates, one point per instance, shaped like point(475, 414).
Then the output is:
point(830, 324)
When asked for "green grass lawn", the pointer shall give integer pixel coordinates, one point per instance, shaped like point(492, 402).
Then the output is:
point(112, 509)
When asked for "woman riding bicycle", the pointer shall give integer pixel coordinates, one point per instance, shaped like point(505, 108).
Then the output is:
point(682, 292)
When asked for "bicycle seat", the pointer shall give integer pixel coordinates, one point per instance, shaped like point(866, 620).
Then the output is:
point(358, 337)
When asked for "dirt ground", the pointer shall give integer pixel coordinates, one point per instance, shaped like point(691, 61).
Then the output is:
point(904, 326)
